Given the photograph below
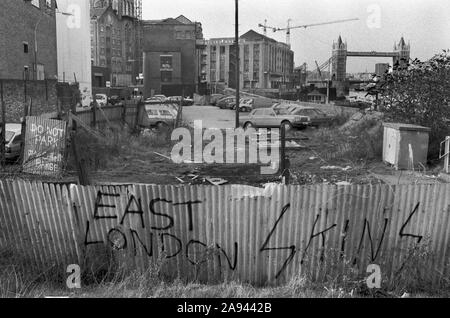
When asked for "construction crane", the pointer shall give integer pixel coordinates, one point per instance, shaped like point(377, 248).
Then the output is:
point(319, 70)
point(289, 28)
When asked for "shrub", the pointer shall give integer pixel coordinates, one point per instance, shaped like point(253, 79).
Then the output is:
point(419, 95)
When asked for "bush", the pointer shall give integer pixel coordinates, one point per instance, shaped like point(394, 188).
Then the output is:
point(420, 95)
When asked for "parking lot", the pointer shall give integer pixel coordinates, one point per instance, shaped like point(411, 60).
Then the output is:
point(211, 116)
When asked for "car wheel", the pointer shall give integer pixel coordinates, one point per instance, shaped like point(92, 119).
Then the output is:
point(287, 125)
point(248, 125)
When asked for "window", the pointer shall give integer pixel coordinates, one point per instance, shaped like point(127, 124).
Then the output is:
point(164, 112)
point(25, 47)
point(152, 112)
point(17, 139)
point(35, 3)
point(48, 3)
point(179, 35)
point(166, 76)
point(166, 62)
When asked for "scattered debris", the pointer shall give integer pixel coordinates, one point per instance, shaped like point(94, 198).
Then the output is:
point(312, 158)
point(293, 144)
point(161, 155)
point(181, 180)
point(239, 192)
point(216, 181)
point(343, 183)
point(336, 168)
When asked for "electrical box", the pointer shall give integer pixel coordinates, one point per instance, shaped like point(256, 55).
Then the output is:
point(405, 146)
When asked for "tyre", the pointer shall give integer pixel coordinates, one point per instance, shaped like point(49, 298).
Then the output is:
point(248, 125)
point(287, 125)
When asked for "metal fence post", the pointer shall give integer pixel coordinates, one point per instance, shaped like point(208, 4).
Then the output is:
point(3, 124)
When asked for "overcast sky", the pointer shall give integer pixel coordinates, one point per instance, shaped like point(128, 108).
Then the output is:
point(425, 23)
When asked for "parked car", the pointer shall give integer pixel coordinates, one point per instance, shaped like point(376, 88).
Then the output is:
point(226, 102)
point(317, 116)
point(13, 139)
point(173, 109)
point(153, 100)
point(115, 100)
point(186, 101)
point(101, 99)
point(284, 106)
point(245, 105)
point(163, 98)
point(270, 118)
point(160, 118)
point(215, 98)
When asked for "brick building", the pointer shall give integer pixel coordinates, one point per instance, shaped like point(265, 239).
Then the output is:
point(23, 24)
point(174, 60)
point(28, 39)
point(115, 42)
point(264, 62)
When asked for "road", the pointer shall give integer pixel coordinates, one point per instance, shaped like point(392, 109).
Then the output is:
point(211, 116)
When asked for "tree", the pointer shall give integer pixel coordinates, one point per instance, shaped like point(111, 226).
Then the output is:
point(419, 94)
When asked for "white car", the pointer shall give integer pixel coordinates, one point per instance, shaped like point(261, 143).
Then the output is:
point(13, 139)
point(163, 98)
point(101, 99)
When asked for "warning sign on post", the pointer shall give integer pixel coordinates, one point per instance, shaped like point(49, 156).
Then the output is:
point(45, 143)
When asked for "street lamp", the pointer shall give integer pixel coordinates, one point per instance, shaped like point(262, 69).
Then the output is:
point(35, 39)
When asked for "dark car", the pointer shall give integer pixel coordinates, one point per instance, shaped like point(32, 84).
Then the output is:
point(115, 100)
point(317, 116)
point(226, 102)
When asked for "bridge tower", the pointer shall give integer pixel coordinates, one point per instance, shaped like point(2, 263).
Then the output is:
point(339, 60)
point(403, 51)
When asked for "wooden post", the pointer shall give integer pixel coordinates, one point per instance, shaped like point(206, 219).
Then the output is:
point(236, 39)
point(447, 157)
point(80, 163)
point(285, 163)
point(138, 113)
point(59, 109)
point(3, 124)
point(180, 111)
point(94, 114)
point(124, 113)
point(23, 130)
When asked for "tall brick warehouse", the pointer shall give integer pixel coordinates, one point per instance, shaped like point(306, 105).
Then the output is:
point(19, 20)
point(28, 75)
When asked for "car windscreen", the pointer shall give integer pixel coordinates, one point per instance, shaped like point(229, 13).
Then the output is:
point(9, 135)
point(282, 111)
point(99, 97)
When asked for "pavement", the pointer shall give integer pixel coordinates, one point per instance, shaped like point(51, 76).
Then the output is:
point(211, 116)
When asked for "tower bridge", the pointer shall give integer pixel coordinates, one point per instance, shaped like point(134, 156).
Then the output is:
point(400, 56)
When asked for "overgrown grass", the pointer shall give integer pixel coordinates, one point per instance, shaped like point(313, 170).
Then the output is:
point(361, 142)
point(335, 277)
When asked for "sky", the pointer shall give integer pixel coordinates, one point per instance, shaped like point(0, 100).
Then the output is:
point(423, 23)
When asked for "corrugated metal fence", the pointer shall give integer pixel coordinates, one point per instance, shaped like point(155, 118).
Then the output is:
point(110, 114)
point(230, 232)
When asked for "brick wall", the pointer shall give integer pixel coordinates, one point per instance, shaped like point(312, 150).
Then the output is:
point(18, 20)
point(42, 93)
